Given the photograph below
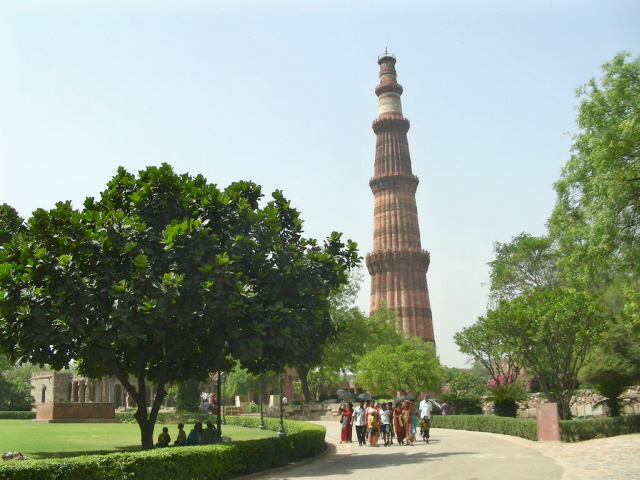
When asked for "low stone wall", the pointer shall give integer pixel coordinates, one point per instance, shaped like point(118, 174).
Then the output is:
point(76, 412)
point(319, 412)
point(585, 403)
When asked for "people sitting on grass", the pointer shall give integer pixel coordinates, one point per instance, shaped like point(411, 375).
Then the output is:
point(181, 441)
point(210, 434)
point(195, 435)
point(164, 439)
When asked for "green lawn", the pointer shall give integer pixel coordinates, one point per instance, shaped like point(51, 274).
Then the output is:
point(53, 440)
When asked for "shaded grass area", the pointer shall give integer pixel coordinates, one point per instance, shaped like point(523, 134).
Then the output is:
point(58, 440)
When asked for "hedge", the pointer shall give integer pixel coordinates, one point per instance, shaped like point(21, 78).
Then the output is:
point(17, 415)
point(579, 430)
point(525, 428)
point(570, 430)
point(206, 462)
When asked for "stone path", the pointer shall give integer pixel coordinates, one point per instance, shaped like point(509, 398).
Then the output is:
point(459, 455)
point(613, 458)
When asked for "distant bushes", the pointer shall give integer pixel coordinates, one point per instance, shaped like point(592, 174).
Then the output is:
point(17, 415)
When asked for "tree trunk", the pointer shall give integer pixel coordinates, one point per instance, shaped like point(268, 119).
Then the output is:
point(146, 428)
point(303, 371)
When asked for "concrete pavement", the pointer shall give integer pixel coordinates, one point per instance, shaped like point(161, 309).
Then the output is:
point(459, 455)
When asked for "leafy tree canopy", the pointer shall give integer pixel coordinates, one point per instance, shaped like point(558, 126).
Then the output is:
point(525, 262)
point(164, 278)
point(410, 367)
point(597, 214)
point(550, 333)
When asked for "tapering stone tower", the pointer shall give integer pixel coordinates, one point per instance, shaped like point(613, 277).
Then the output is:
point(398, 265)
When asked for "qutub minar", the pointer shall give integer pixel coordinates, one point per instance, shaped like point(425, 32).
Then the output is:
point(398, 265)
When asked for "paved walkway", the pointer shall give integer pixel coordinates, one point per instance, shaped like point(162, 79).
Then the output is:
point(459, 455)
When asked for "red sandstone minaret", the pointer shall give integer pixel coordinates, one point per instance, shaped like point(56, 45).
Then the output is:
point(398, 265)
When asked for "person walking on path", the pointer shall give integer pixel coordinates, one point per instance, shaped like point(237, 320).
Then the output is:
point(426, 407)
point(372, 427)
point(347, 430)
point(359, 415)
point(385, 427)
point(398, 426)
point(407, 420)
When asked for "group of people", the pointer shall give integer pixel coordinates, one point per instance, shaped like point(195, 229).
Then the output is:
point(197, 436)
point(374, 421)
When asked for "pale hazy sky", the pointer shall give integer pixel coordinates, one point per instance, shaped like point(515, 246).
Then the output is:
point(282, 93)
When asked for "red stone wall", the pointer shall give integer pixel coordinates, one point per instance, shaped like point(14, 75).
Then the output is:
point(79, 411)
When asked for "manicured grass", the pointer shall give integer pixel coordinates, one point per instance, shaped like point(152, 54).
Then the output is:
point(55, 440)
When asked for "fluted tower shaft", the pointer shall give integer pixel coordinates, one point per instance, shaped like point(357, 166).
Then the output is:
point(398, 265)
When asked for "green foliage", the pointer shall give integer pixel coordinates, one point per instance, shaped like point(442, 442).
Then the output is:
point(15, 385)
point(550, 332)
point(570, 430)
point(596, 220)
point(463, 392)
point(613, 364)
point(17, 415)
point(506, 397)
point(469, 383)
point(411, 367)
point(489, 349)
point(580, 430)
point(10, 223)
point(188, 397)
point(525, 428)
point(239, 382)
point(164, 278)
point(207, 461)
point(321, 382)
point(524, 263)
point(357, 332)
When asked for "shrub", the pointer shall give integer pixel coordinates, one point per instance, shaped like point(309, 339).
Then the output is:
point(470, 406)
point(579, 430)
point(481, 423)
point(204, 462)
point(17, 415)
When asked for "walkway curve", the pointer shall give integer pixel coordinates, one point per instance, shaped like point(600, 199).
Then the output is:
point(460, 455)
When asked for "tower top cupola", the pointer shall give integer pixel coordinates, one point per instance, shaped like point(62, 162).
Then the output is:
point(388, 90)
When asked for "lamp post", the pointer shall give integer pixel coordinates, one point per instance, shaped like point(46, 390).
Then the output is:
point(223, 377)
point(280, 432)
point(261, 426)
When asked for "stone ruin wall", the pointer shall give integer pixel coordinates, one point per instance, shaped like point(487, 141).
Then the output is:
point(583, 404)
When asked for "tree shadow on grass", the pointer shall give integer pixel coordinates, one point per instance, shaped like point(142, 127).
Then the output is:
point(79, 453)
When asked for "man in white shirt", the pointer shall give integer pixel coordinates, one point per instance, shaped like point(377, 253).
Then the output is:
point(359, 422)
point(426, 407)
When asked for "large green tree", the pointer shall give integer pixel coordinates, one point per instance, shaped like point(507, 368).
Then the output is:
point(523, 263)
point(596, 219)
point(550, 333)
point(482, 343)
point(613, 364)
point(410, 367)
point(356, 334)
point(15, 386)
point(359, 334)
point(165, 278)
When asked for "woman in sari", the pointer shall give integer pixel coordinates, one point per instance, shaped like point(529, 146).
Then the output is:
point(347, 416)
point(407, 420)
point(398, 426)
